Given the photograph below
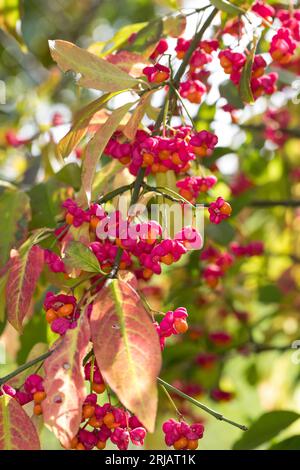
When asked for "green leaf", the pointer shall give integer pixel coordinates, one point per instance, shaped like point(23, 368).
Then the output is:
point(15, 214)
point(70, 174)
point(45, 202)
point(79, 256)
point(245, 82)
point(265, 428)
point(222, 233)
point(95, 149)
point(94, 72)
point(103, 177)
point(80, 125)
point(121, 37)
point(291, 443)
point(269, 294)
point(227, 7)
point(147, 36)
point(229, 91)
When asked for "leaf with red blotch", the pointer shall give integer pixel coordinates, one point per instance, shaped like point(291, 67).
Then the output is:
point(127, 348)
point(131, 62)
point(17, 431)
point(25, 269)
point(64, 383)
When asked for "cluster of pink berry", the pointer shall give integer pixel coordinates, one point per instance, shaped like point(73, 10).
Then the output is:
point(93, 375)
point(55, 263)
point(160, 154)
point(275, 122)
point(193, 87)
point(219, 263)
point(255, 248)
point(108, 422)
point(76, 216)
point(181, 435)
point(219, 210)
point(173, 323)
point(239, 184)
point(143, 241)
point(61, 312)
point(261, 83)
point(191, 186)
point(32, 390)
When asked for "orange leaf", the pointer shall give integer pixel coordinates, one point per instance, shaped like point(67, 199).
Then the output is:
point(81, 124)
point(25, 269)
point(132, 125)
point(127, 348)
point(64, 383)
point(17, 431)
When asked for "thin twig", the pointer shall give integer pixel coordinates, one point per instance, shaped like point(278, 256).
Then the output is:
point(203, 407)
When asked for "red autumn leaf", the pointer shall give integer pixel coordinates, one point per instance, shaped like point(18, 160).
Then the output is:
point(25, 269)
point(127, 348)
point(17, 431)
point(129, 62)
point(64, 383)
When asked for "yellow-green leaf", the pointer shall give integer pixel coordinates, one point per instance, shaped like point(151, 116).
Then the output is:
point(227, 7)
point(79, 256)
point(93, 71)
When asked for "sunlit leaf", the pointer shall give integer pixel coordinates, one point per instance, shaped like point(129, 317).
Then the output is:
point(227, 7)
point(147, 36)
point(79, 256)
point(93, 71)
